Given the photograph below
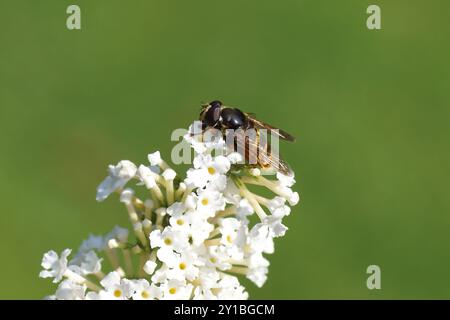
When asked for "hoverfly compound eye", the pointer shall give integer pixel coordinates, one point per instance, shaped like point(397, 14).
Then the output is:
point(212, 116)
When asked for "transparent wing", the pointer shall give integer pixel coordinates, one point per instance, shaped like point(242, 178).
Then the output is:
point(256, 151)
point(258, 124)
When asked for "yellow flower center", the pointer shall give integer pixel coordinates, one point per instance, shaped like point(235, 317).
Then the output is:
point(205, 202)
point(117, 293)
point(182, 266)
point(211, 170)
point(145, 294)
point(168, 241)
point(180, 222)
point(213, 260)
point(173, 290)
point(229, 239)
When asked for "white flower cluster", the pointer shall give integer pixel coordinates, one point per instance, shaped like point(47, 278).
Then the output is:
point(191, 237)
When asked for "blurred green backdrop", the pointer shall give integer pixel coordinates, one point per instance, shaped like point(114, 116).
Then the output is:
point(370, 110)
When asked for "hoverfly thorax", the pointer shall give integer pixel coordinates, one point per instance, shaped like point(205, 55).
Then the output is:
point(233, 118)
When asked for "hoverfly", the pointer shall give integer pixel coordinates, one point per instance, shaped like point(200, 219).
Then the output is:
point(216, 115)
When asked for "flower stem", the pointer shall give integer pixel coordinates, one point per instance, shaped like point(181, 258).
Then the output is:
point(212, 242)
point(169, 192)
point(69, 274)
point(112, 257)
point(128, 262)
point(251, 198)
point(238, 270)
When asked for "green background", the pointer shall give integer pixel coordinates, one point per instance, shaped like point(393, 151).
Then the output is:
point(370, 110)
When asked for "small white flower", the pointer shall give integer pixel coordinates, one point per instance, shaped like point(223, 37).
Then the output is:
point(195, 140)
point(168, 238)
point(126, 196)
point(149, 267)
point(168, 241)
point(169, 174)
point(196, 178)
point(294, 199)
point(206, 169)
point(117, 233)
point(209, 202)
point(160, 275)
point(86, 263)
point(92, 243)
point(183, 266)
point(204, 141)
point(231, 192)
point(276, 203)
point(145, 291)
point(111, 279)
point(281, 211)
point(176, 209)
point(244, 209)
point(68, 290)
point(202, 293)
point(176, 290)
point(258, 275)
point(218, 258)
point(276, 228)
point(115, 287)
point(257, 268)
point(146, 176)
point(180, 221)
point(284, 180)
point(218, 184)
point(190, 202)
point(229, 229)
point(277, 207)
point(230, 289)
point(54, 266)
point(119, 175)
point(155, 158)
point(291, 196)
point(91, 295)
point(200, 228)
point(261, 239)
point(208, 278)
